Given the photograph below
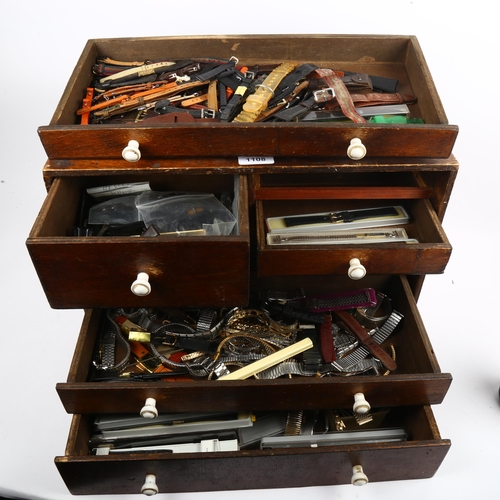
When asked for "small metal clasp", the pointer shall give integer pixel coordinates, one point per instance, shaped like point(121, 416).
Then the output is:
point(324, 95)
point(208, 113)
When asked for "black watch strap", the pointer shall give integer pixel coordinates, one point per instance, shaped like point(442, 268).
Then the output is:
point(210, 74)
point(295, 112)
point(234, 104)
point(163, 108)
point(288, 84)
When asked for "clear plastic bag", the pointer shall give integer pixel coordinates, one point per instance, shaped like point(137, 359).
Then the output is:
point(185, 213)
point(121, 210)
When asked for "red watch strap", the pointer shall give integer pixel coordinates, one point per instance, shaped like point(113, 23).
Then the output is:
point(341, 93)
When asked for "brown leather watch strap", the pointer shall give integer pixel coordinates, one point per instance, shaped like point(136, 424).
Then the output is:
point(354, 81)
point(326, 344)
point(355, 328)
point(144, 91)
point(374, 99)
point(167, 90)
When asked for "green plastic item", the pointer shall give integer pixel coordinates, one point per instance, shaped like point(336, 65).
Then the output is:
point(394, 119)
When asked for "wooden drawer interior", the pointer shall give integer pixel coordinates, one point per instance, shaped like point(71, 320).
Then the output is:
point(417, 380)
point(103, 265)
point(397, 57)
point(416, 458)
point(280, 195)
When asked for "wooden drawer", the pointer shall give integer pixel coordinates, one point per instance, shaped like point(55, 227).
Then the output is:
point(418, 379)
point(397, 57)
point(294, 194)
point(418, 457)
point(96, 271)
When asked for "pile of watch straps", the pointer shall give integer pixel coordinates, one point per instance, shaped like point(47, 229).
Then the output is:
point(283, 334)
point(222, 90)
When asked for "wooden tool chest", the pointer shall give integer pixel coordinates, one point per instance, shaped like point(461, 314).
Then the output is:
point(310, 171)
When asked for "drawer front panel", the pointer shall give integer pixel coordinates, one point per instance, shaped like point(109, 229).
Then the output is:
point(429, 254)
point(417, 458)
point(418, 379)
point(259, 395)
point(98, 271)
point(397, 57)
point(218, 140)
point(321, 468)
point(92, 274)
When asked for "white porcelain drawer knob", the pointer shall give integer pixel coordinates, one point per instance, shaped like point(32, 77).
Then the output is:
point(149, 409)
point(359, 478)
point(131, 152)
point(360, 405)
point(356, 270)
point(149, 488)
point(356, 149)
point(141, 285)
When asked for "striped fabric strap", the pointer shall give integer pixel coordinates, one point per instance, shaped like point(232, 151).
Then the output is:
point(341, 93)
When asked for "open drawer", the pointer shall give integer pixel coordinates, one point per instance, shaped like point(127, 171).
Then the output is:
point(418, 457)
point(398, 58)
point(98, 271)
point(417, 380)
point(326, 248)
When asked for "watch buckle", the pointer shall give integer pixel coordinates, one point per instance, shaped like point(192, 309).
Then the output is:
point(324, 95)
point(208, 113)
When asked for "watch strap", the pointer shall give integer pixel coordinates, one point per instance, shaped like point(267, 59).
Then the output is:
point(296, 112)
point(343, 216)
point(288, 84)
point(364, 297)
point(112, 338)
point(355, 328)
point(258, 101)
point(380, 335)
point(381, 83)
point(374, 99)
point(341, 93)
point(326, 342)
point(215, 70)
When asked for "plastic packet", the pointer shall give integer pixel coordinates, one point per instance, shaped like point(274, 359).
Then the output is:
point(184, 213)
point(121, 210)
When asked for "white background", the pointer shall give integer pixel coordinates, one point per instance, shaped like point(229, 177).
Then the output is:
point(40, 43)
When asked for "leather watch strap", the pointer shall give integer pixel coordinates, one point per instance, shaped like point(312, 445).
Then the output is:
point(211, 73)
point(326, 343)
point(374, 99)
point(166, 90)
point(351, 81)
point(292, 113)
point(137, 72)
point(380, 335)
point(163, 108)
point(234, 77)
point(381, 83)
point(288, 84)
point(355, 328)
point(341, 93)
point(212, 101)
